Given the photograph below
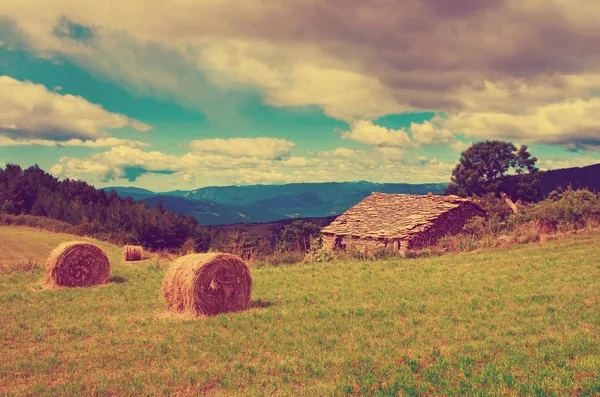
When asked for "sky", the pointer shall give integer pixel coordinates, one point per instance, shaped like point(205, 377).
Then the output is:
point(184, 94)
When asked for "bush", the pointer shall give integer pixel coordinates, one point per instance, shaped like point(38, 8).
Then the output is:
point(567, 209)
point(458, 243)
point(476, 227)
point(319, 255)
point(527, 233)
point(189, 246)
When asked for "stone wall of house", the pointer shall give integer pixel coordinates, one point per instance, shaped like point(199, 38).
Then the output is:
point(449, 223)
point(365, 245)
point(328, 241)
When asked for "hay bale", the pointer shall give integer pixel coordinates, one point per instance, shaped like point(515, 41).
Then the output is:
point(77, 264)
point(132, 253)
point(207, 284)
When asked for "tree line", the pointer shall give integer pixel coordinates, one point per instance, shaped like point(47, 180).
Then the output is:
point(38, 199)
point(95, 212)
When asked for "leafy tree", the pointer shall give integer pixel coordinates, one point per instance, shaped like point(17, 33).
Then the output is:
point(495, 166)
point(297, 236)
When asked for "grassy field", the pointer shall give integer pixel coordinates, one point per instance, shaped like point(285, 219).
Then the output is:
point(520, 320)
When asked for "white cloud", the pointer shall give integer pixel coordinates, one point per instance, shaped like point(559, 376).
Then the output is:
point(573, 123)
point(371, 134)
point(295, 162)
point(265, 148)
point(31, 111)
point(192, 169)
point(427, 133)
point(97, 143)
point(477, 61)
point(340, 152)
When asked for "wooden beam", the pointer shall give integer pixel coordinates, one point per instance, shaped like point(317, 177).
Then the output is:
point(510, 203)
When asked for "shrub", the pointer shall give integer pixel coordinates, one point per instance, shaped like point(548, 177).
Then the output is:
point(189, 246)
point(527, 233)
point(476, 227)
point(458, 243)
point(567, 209)
point(318, 256)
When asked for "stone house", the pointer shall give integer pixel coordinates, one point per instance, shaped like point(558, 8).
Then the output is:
point(399, 222)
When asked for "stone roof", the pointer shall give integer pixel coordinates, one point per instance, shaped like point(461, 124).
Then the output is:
point(384, 215)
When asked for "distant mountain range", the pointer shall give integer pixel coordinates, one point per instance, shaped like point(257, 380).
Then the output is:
point(266, 203)
point(227, 205)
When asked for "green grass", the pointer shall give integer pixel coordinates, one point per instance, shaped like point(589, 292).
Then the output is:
point(523, 320)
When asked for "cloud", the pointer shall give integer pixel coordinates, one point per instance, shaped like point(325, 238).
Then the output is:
point(370, 134)
point(118, 162)
point(32, 112)
point(98, 143)
point(573, 123)
point(473, 61)
point(124, 165)
point(264, 148)
point(340, 152)
point(417, 135)
point(295, 162)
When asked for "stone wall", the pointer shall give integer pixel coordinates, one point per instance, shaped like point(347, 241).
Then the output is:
point(449, 223)
point(365, 245)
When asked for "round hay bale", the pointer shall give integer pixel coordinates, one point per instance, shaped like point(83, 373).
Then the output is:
point(207, 284)
point(77, 264)
point(132, 253)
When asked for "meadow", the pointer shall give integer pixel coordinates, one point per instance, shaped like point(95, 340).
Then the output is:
point(518, 320)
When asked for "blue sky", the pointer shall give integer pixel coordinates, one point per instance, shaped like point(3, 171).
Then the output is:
point(219, 94)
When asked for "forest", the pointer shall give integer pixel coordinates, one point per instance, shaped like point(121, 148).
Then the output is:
point(32, 197)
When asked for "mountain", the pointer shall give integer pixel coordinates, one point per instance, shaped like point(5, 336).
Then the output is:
point(223, 205)
point(327, 192)
point(226, 205)
point(210, 213)
point(133, 192)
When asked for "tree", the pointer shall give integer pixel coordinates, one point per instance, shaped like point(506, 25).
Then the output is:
point(493, 167)
point(297, 236)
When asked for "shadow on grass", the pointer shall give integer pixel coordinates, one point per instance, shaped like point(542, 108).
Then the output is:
point(117, 280)
point(259, 303)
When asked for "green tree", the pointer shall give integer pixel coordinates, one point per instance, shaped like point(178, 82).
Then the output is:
point(297, 236)
point(495, 166)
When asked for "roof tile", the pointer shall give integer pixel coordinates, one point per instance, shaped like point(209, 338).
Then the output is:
point(384, 215)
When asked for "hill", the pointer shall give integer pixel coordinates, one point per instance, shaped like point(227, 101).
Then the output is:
point(30, 194)
point(227, 205)
point(266, 203)
point(515, 321)
point(578, 177)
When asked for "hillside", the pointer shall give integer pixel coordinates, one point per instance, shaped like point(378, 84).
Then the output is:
point(32, 196)
point(514, 321)
point(578, 177)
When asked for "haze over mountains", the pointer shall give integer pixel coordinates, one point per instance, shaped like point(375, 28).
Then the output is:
point(266, 203)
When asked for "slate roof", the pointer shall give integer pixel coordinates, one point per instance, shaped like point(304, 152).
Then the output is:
point(384, 215)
